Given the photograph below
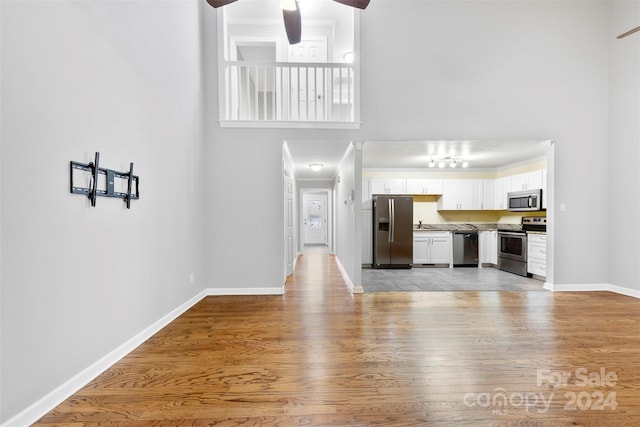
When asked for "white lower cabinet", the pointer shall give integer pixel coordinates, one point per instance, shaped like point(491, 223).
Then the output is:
point(431, 247)
point(489, 247)
point(537, 254)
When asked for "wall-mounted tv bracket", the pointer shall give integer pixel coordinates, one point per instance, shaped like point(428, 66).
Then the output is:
point(102, 182)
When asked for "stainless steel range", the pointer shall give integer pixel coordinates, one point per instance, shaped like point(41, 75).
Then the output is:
point(512, 245)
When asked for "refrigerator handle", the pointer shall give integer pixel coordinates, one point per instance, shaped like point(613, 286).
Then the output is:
point(392, 220)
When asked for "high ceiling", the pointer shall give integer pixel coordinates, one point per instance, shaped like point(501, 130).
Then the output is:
point(411, 154)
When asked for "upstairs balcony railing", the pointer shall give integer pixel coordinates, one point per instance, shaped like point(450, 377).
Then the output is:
point(288, 92)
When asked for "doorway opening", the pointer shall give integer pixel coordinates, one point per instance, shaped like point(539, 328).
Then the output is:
point(384, 169)
point(316, 223)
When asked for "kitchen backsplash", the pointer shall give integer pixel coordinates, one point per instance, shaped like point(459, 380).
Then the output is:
point(425, 209)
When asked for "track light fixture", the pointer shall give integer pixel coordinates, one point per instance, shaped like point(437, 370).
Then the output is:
point(448, 161)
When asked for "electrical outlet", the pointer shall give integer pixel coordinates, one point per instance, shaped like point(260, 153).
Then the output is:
point(192, 278)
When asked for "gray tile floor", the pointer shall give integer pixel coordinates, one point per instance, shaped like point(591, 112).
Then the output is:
point(446, 279)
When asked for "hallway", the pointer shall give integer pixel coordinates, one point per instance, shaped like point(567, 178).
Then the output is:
point(321, 356)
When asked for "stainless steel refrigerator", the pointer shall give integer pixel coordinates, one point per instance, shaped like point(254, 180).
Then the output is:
point(392, 231)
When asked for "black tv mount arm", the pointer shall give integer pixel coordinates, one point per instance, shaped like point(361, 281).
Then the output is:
point(109, 187)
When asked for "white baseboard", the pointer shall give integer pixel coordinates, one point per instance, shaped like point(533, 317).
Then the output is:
point(352, 288)
point(593, 287)
point(577, 287)
point(37, 410)
point(625, 291)
point(245, 291)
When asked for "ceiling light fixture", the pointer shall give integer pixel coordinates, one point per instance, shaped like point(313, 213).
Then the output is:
point(448, 161)
point(316, 166)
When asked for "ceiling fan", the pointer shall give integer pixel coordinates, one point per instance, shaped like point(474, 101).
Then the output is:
point(291, 14)
point(628, 33)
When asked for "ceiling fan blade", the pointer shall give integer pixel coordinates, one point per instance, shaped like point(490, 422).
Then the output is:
point(360, 4)
point(628, 33)
point(293, 24)
point(219, 3)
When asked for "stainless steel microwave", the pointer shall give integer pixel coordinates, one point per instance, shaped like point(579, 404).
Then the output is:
point(528, 200)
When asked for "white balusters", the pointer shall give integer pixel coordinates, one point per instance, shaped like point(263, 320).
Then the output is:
point(282, 91)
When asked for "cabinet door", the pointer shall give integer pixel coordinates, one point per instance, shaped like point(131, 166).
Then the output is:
point(483, 238)
point(467, 199)
point(526, 181)
point(378, 186)
point(502, 186)
point(433, 186)
point(493, 247)
point(397, 186)
point(489, 246)
point(488, 194)
point(519, 182)
point(534, 180)
point(476, 195)
point(416, 186)
point(440, 250)
point(421, 250)
point(449, 199)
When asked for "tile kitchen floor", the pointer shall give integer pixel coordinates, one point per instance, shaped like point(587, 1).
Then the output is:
point(446, 279)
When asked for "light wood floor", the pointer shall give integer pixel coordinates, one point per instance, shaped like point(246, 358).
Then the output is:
point(319, 356)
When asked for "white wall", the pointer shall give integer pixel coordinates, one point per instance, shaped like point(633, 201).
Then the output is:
point(345, 221)
point(122, 78)
point(624, 230)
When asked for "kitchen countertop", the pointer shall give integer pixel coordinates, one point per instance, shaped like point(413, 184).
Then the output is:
point(472, 227)
point(464, 227)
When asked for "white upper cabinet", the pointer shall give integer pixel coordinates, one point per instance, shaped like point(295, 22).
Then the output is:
point(502, 186)
point(397, 186)
point(488, 195)
point(526, 181)
point(424, 186)
point(458, 194)
point(388, 186)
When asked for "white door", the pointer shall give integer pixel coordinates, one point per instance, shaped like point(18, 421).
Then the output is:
point(315, 220)
point(288, 226)
point(307, 84)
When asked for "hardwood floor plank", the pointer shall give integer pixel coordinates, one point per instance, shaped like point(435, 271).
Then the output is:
point(320, 356)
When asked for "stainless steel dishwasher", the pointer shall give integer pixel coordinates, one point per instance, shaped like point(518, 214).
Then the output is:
point(465, 248)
